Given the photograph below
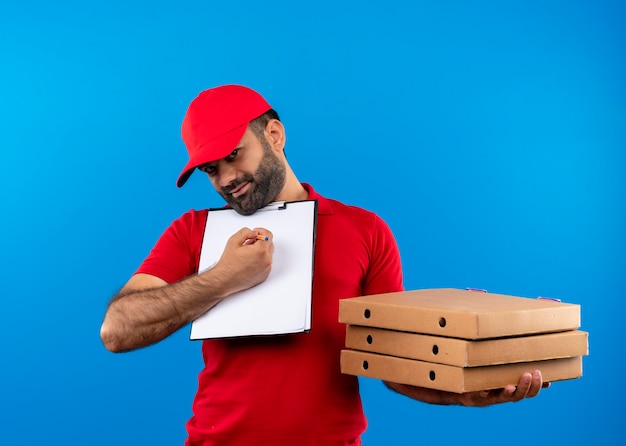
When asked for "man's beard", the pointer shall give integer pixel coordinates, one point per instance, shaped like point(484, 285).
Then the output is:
point(265, 185)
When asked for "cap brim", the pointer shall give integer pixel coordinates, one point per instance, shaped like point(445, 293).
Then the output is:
point(214, 150)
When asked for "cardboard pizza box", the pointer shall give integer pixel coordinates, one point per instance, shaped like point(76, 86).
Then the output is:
point(450, 378)
point(459, 313)
point(465, 353)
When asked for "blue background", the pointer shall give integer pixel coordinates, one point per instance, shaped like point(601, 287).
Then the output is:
point(490, 135)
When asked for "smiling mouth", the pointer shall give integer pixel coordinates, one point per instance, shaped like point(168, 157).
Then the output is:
point(239, 190)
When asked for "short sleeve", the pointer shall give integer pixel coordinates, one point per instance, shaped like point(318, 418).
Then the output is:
point(176, 254)
point(384, 274)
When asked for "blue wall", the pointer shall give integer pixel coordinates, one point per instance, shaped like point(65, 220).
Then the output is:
point(490, 135)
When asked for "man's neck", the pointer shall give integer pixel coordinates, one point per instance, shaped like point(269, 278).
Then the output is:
point(293, 190)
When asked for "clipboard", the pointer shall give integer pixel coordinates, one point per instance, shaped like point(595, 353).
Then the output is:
point(282, 303)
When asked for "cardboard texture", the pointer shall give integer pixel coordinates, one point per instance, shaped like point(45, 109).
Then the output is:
point(464, 353)
point(459, 313)
point(451, 378)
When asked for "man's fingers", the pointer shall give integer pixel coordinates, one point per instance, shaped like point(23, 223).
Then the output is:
point(536, 384)
point(528, 386)
point(523, 387)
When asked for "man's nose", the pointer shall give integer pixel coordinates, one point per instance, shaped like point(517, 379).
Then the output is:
point(226, 174)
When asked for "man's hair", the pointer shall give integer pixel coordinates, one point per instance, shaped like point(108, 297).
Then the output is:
point(257, 125)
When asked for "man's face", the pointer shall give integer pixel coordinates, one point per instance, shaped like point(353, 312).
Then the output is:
point(250, 177)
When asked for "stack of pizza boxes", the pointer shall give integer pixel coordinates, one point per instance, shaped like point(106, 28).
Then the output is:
point(460, 340)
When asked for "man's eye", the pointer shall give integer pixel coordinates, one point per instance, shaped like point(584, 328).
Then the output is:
point(208, 169)
point(232, 155)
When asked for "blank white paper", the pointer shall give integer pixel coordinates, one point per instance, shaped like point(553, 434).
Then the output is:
point(280, 304)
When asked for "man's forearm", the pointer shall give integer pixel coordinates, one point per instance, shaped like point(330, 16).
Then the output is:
point(425, 395)
point(148, 309)
point(138, 318)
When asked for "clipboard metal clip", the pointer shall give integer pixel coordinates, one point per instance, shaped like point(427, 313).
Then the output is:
point(274, 206)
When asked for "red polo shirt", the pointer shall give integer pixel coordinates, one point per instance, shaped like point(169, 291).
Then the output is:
point(288, 389)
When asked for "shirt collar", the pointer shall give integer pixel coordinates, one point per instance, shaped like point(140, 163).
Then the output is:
point(324, 205)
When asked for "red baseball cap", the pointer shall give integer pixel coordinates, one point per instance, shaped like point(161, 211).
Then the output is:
point(215, 123)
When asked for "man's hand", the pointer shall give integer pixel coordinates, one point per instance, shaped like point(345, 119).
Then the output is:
point(245, 261)
point(528, 386)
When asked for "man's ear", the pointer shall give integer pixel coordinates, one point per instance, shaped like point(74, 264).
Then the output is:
point(275, 133)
